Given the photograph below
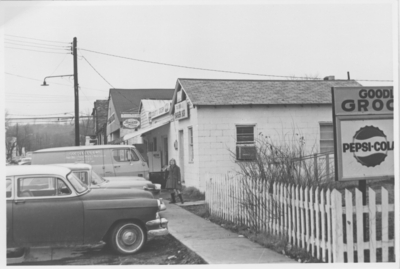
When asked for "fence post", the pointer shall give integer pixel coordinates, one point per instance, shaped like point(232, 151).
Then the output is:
point(372, 225)
point(329, 220)
point(385, 224)
point(360, 236)
point(311, 206)
point(316, 166)
point(337, 230)
point(298, 235)
point(307, 226)
point(349, 226)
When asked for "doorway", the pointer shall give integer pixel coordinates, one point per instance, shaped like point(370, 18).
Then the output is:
point(181, 154)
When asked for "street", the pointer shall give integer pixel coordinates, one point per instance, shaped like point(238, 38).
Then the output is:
point(158, 250)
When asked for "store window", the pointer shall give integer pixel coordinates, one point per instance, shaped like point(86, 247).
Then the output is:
point(326, 143)
point(190, 141)
point(245, 144)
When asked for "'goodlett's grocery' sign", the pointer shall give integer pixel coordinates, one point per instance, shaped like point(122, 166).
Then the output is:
point(363, 132)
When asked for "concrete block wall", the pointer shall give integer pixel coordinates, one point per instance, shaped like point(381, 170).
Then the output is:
point(217, 131)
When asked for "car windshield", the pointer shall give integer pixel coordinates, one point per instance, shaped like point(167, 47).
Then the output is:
point(76, 183)
point(96, 179)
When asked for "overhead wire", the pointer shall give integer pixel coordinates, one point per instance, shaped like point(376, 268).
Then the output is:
point(97, 71)
point(36, 50)
point(10, 74)
point(37, 39)
point(63, 113)
point(35, 46)
point(35, 43)
point(207, 69)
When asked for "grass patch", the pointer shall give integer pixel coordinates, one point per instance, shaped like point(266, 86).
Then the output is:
point(189, 194)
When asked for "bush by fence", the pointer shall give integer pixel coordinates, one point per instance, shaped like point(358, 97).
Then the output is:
point(330, 227)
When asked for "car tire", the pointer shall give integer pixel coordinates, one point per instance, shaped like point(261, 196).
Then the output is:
point(127, 237)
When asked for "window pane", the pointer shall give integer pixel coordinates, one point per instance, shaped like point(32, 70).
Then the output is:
point(326, 137)
point(133, 156)
point(76, 183)
point(62, 188)
point(8, 187)
point(245, 134)
point(82, 175)
point(36, 187)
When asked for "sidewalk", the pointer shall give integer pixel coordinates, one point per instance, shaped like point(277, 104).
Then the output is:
point(215, 244)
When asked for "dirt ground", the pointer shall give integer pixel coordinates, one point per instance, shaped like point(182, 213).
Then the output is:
point(163, 250)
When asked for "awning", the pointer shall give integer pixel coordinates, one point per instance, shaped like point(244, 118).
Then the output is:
point(145, 130)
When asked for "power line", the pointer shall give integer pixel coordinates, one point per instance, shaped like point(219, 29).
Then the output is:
point(207, 69)
point(52, 82)
point(35, 43)
point(39, 101)
point(36, 50)
point(59, 65)
point(35, 46)
point(43, 114)
point(63, 117)
point(38, 39)
point(106, 80)
point(17, 95)
point(97, 71)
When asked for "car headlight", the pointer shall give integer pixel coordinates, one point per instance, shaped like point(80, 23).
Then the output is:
point(161, 205)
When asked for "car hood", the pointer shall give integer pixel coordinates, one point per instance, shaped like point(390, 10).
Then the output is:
point(122, 184)
point(116, 194)
point(129, 178)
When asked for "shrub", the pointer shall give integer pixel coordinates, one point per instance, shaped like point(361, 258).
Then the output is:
point(193, 193)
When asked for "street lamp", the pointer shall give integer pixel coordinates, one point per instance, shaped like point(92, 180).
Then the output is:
point(76, 88)
point(44, 81)
point(77, 140)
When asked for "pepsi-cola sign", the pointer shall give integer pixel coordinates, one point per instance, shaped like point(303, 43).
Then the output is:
point(363, 133)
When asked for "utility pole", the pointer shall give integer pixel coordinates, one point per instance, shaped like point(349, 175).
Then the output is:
point(76, 92)
point(16, 143)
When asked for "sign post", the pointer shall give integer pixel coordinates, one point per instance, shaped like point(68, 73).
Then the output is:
point(363, 135)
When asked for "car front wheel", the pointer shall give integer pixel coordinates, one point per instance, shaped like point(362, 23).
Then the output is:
point(128, 238)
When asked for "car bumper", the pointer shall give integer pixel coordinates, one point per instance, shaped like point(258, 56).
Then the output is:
point(157, 227)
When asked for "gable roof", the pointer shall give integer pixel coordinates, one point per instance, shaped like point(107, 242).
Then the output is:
point(261, 92)
point(129, 99)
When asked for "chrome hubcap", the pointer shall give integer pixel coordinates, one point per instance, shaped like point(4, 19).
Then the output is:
point(128, 237)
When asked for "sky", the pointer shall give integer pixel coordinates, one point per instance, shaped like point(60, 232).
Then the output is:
point(276, 40)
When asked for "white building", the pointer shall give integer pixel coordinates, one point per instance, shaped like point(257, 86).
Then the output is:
point(215, 122)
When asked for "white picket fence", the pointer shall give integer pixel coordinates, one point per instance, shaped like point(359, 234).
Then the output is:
point(311, 219)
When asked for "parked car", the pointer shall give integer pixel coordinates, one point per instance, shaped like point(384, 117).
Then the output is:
point(49, 206)
point(25, 161)
point(106, 160)
point(88, 176)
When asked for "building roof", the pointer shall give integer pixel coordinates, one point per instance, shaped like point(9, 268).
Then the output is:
point(100, 104)
point(261, 92)
point(128, 100)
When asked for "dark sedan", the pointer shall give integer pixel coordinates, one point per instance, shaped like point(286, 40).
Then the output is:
point(50, 206)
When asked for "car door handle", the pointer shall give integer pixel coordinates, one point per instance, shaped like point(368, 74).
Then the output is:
point(116, 166)
point(19, 201)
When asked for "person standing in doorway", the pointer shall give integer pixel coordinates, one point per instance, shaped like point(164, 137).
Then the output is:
point(174, 183)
